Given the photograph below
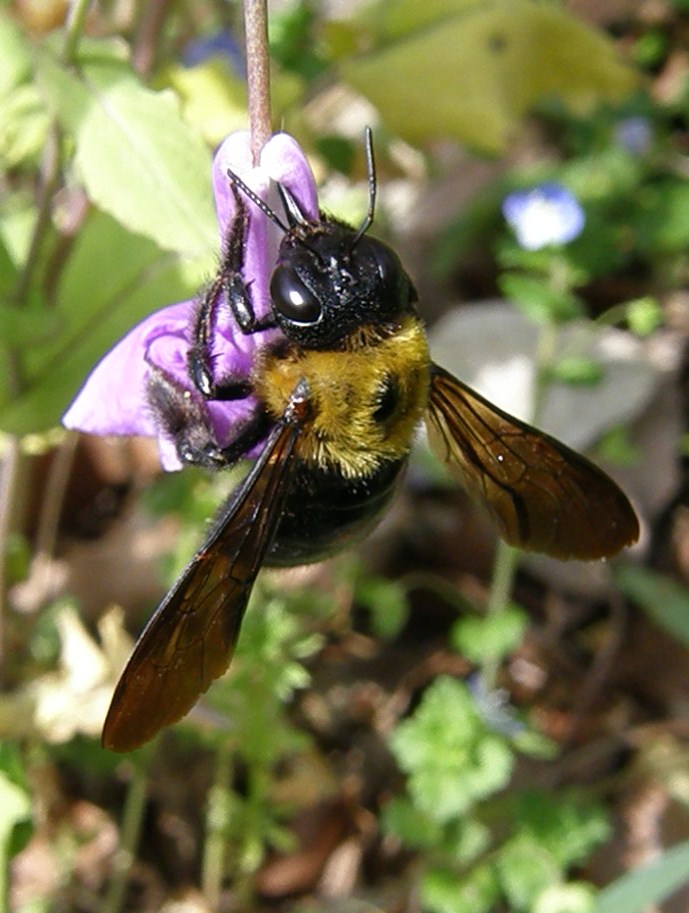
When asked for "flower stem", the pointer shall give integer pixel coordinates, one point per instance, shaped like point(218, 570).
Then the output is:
point(74, 29)
point(132, 819)
point(504, 570)
point(258, 74)
point(217, 824)
point(507, 557)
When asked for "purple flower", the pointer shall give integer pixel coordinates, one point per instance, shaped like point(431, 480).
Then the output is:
point(113, 399)
point(547, 214)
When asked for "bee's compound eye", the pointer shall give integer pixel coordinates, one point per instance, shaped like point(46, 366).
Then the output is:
point(291, 298)
point(387, 262)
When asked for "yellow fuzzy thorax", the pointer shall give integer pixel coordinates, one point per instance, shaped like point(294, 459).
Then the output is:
point(344, 392)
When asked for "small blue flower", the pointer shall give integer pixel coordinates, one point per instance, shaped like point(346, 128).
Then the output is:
point(493, 706)
point(634, 134)
point(547, 214)
point(217, 44)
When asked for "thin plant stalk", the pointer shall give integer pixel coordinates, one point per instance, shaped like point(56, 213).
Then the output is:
point(135, 804)
point(506, 556)
point(217, 826)
point(74, 28)
point(258, 101)
point(257, 74)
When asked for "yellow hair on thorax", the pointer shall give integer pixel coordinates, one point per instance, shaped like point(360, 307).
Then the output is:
point(345, 392)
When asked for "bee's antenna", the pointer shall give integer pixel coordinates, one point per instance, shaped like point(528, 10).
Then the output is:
point(372, 187)
point(262, 205)
point(294, 214)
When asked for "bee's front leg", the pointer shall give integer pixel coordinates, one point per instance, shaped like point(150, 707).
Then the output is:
point(230, 289)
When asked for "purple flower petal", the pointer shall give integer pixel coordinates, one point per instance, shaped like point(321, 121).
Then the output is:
point(113, 399)
point(110, 401)
point(547, 214)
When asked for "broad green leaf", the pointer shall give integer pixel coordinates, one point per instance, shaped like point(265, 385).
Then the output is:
point(95, 307)
point(648, 885)
point(137, 158)
point(476, 74)
point(393, 19)
point(15, 61)
point(27, 327)
point(665, 600)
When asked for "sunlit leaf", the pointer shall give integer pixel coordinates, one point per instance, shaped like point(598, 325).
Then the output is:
point(475, 74)
point(648, 885)
point(665, 600)
point(93, 311)
point(214, 98)
point(137, 158)
point(15, 61)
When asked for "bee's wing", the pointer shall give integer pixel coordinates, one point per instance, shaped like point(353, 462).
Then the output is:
point(189, 640)
point(546, 497)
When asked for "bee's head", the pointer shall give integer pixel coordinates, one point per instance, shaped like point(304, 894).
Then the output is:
point(331, 279)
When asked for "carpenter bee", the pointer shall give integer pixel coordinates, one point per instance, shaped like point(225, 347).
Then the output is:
point(341, 390)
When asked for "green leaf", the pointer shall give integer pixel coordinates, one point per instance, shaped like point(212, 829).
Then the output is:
point(137, 158)
point(443, 891)
point(406, 821)
point(16, 809)
point(644, 315)
point(577, 371)
point(95, 307)
point(214, 98)
point(538, 300)
point(648, 885)
point(8, 271)
point(661, 218)
point(387, 602)
point(15, 61)
point(567, 825)
point(24, 126)
point(475, 73)
point(525, 868)
point(28, 327)
point(617, 448)
point(451, 760)
point(489, 637)
point(390, 20)
point(573, 897)
point(665, 600)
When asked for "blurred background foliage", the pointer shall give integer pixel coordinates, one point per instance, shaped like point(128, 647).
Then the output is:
point(405, 729)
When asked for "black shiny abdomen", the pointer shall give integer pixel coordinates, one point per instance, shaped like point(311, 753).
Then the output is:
point(325, 512)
